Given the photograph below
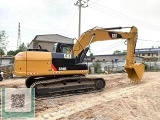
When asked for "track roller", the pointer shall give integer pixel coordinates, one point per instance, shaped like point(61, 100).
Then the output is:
point(29, 81)
point(99, 83)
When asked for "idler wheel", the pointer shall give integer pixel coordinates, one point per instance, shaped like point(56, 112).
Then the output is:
point(100, 83)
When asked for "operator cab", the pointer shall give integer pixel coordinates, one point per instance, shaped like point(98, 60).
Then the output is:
point(62, 47)
point(62, 55)
point(67, 48)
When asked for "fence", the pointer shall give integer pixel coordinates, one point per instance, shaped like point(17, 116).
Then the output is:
point(152, 66)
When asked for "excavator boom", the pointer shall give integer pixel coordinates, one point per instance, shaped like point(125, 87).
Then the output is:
point(134, 70)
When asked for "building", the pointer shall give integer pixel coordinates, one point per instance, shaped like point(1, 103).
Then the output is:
point(48, 41)
point(111, 62)
point(6, 66)
point(114, 58)
point(6, 60)
point(149, 54)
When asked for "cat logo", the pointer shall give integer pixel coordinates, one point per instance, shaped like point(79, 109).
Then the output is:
point(114, 35)
point(67, 56)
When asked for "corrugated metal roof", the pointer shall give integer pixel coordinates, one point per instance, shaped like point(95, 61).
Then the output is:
point(7, 56)
point(51, 38)
point(147, 51)
point(110, 55)
point(113, 55)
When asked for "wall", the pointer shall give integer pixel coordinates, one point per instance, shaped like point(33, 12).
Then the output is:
point(153, 65)
point(112, 66)
point(6, 61)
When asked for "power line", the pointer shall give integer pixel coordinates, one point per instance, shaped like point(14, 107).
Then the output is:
point(119, 15)
point(70, 20)
point(119, 43)
point(148, 40)
point(111, 46)
point(93, 2)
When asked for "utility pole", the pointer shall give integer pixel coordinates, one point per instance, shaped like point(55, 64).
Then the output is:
point(158, 53)
point(80, 4)
point(19, 36)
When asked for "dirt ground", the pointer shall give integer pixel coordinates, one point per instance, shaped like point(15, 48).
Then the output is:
point(120, 100)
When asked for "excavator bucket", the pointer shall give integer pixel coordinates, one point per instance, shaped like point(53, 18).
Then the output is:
point(135, 73)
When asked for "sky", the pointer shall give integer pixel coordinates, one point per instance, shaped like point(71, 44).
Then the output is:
point(38, 17)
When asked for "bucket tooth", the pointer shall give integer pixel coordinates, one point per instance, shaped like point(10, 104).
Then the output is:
point(135, 73)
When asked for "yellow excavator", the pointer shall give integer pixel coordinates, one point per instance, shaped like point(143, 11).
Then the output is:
point(63, 72)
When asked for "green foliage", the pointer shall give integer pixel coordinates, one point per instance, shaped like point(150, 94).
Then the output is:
point(2, 52)
point(21, 48)
point(97, 67)
point(124, 52)
point(91, 54)
point(116, 52)
point(3, 40)
point(146, 66)
point(11, 52)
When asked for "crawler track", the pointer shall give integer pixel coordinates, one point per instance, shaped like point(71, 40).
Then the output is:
point(67, 86)
point(53, 96)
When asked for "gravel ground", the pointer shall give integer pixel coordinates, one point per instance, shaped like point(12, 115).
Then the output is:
point(120, 100)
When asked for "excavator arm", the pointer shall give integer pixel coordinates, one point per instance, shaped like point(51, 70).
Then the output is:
point(134, 70)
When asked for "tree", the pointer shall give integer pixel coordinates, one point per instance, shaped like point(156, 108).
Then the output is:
point(146, 66)
point(11, 52)
point(97, 67)
point(119, 52)
point(2, 52)
point(21, 48)
point(3, 40)
point(90, 52)
point(3, 44)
